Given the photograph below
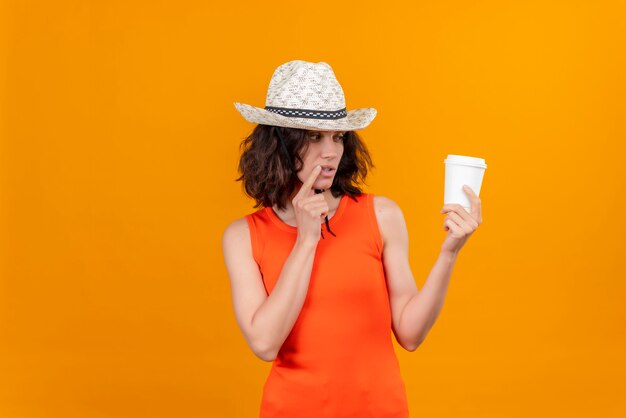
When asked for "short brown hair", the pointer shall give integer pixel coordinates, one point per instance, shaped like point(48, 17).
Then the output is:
point(267, 175)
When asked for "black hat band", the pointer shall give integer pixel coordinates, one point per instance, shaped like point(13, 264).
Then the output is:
point(308, 113)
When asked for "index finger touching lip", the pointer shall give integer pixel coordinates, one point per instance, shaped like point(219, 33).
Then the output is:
point(311, 179)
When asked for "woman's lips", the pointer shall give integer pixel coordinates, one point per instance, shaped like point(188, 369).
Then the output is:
point(327, 172)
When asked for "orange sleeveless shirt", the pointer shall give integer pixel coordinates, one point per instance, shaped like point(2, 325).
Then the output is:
point(338, 360)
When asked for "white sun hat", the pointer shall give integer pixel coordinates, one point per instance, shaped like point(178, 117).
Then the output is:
point(306, 95)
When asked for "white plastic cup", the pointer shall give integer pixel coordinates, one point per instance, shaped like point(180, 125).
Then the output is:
point(460, 170)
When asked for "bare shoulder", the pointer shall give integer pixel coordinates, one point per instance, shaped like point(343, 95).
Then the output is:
point(237, 247)
point(237, 226)
point(386, 208)
point(236, 232)
point(389, 218)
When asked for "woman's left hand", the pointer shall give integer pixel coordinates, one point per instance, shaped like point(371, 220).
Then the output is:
point(459, 223)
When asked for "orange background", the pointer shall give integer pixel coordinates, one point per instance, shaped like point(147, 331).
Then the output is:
point(119, 147)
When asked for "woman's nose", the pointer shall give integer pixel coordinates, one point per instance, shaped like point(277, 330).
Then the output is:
point(329, 148)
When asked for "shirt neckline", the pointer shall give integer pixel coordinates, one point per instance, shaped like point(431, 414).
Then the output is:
point(290, 228)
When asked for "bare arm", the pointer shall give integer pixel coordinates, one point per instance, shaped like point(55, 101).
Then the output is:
point(274, 319)
point(265, 321)
point(421, 311)
point(413, 312)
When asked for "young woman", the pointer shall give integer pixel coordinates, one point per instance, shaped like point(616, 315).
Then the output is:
point(320, 274)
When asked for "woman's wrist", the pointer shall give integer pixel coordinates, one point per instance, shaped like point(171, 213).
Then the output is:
point(449, 255)
point(306, 244)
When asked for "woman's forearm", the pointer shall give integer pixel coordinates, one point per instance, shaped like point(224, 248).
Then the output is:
point(422, 310)
point(274, 319)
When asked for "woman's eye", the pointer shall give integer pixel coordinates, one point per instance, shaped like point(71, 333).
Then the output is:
point(316, 137)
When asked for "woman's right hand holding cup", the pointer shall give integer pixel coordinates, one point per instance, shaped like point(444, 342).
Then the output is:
point(310, 209)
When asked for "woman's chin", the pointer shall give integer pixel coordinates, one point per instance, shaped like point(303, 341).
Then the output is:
point(323, 184)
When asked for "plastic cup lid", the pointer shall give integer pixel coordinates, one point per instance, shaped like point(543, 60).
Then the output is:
point(465, 160)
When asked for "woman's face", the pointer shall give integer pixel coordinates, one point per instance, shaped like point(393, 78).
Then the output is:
point(325, 148)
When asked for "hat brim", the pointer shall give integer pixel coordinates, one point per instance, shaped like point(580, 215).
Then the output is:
point(355, 119)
